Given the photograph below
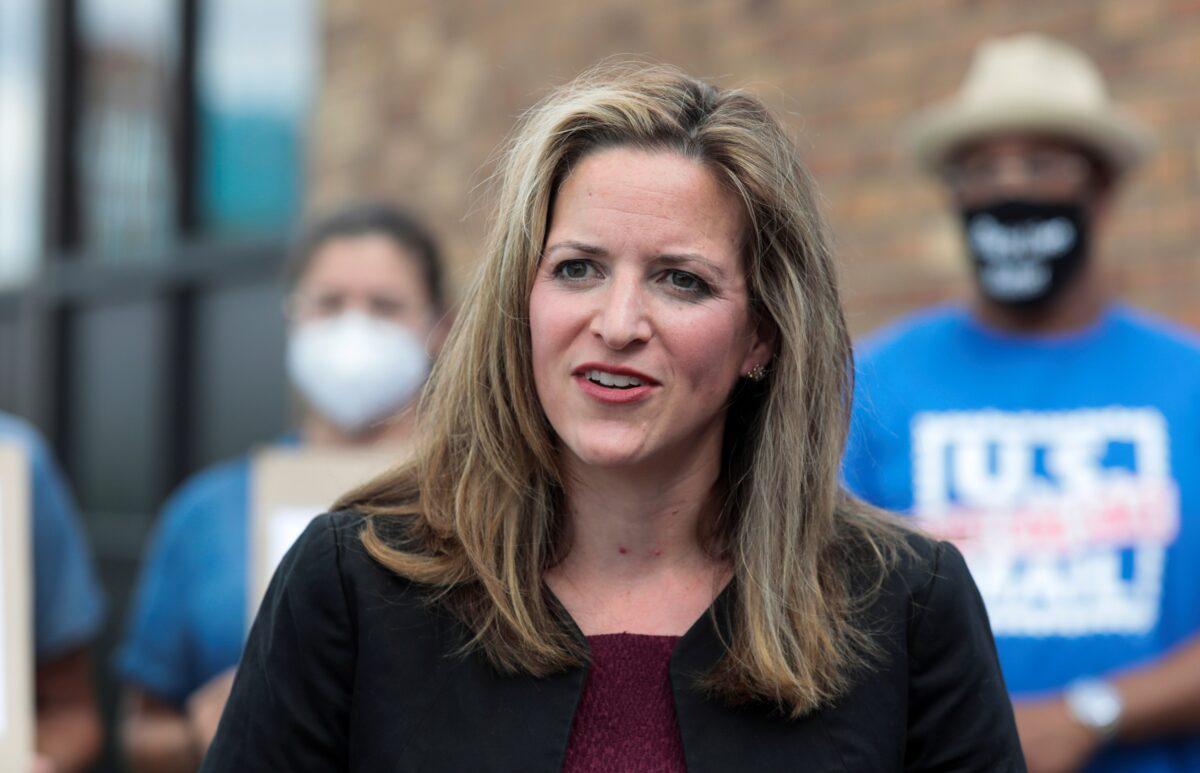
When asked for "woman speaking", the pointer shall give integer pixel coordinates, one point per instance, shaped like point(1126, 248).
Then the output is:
point(623, 544)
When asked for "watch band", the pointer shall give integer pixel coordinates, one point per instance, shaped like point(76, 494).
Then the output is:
point(1095, 704)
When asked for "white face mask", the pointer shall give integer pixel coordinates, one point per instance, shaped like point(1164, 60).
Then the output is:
point(355, 369)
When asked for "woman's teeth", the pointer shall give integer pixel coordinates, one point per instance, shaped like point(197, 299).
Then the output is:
point(612, 380)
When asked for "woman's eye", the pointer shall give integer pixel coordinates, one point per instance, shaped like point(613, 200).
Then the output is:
point(387, 308)
point(328, 304)
point(689, 283)
point(573, 269)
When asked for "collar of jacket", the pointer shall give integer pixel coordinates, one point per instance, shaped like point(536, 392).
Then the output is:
point(698, 650)
point(706, 725)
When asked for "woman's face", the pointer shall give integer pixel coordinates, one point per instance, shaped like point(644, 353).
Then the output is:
point(370, 273)
point(639, 314)
point(360, 342)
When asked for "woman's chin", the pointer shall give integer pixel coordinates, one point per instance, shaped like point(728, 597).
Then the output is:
point(608, 454)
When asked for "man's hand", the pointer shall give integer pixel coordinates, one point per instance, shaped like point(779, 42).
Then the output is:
point(42, 764)
point(1054, 742)
point(69, 733)
point(204, 708)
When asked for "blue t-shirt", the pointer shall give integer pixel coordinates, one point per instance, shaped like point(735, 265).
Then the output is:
point(68, 606)
point(1066, 468)
point(188, 619)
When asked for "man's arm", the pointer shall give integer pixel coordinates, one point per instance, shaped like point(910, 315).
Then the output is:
point(1162, 698)
point(69, 731)
point(1159, 700)
point(156, 736)
point(160, 738)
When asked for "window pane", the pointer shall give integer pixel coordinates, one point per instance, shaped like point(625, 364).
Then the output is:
point(21, 122)
point(256, 64)
point(123, 149)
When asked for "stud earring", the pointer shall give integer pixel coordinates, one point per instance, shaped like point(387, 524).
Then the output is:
point(757, 373)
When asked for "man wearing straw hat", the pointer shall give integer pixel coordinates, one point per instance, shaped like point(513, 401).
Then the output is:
point(1051, 432)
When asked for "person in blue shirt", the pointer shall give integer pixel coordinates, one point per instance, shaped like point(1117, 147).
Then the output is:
point(366, 313)
point(1052, 433)
point(68, 610)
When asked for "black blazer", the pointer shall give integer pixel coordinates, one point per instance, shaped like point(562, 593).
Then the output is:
point(347, 668)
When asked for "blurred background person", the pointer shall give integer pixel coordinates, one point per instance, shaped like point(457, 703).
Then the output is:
point(1051, 431)
point(68, 608)
point(366, 316)
point(151, 168)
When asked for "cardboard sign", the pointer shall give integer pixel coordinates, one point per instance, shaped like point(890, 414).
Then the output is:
point(16, 618)
point(291, 486)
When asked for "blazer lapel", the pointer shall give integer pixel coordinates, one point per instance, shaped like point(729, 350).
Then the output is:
point(752, 737)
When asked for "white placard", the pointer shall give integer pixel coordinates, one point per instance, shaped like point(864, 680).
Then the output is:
point(291, 486)
point(16, 621)
point(4, 622)
point(284, 526)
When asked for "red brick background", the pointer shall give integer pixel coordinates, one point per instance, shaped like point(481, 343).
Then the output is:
point(416, 96)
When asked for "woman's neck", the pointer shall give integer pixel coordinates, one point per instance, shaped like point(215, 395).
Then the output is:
point(636, 559)
point(630, 523)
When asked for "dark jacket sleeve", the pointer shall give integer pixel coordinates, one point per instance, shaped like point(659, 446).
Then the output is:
point(290, 703)
point(960, 717)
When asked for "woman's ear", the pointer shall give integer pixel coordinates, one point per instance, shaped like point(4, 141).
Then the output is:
point(764, 344)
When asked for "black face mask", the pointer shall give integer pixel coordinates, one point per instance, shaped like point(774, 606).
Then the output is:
point(1025, 252)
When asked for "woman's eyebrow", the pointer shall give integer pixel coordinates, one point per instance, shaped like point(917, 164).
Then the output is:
point(684, 258)
point(674, 259)
point(584, 247)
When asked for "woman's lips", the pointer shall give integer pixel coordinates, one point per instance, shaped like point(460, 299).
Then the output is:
point(613, 370)
point(613, 395)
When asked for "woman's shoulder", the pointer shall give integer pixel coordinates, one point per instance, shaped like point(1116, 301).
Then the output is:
point(345, 531)
point(935, 661)
point(927, 593)
point(959, 715)
point(925, 560)
point(904, 569)
point(331, 555)
point(338, 636)
point(932, 571)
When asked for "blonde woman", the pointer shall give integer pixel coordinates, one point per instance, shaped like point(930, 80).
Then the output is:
point(624, 545)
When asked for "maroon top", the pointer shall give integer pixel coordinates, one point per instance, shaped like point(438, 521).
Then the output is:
point(626, 716)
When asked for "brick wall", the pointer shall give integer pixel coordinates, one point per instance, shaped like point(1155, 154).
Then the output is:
point(417, 95)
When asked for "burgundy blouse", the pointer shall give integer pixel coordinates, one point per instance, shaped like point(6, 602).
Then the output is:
point(626, 715)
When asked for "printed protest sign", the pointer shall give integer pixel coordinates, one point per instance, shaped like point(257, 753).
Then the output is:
point(290, 487)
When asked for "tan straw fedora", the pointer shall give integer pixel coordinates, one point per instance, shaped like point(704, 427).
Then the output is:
point(1032, 84)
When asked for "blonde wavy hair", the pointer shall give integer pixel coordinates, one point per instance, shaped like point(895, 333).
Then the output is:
point(477, 513)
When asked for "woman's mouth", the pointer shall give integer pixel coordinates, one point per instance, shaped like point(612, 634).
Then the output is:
point(612, 380)
point(613, 385)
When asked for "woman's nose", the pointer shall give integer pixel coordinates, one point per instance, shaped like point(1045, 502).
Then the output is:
point(621, 319)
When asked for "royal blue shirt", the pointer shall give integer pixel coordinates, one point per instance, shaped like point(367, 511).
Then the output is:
point(68, 605)
point(188, 620)
point(1067, 470)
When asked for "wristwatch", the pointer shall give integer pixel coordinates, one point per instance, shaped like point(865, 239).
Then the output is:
point(1095, 704)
